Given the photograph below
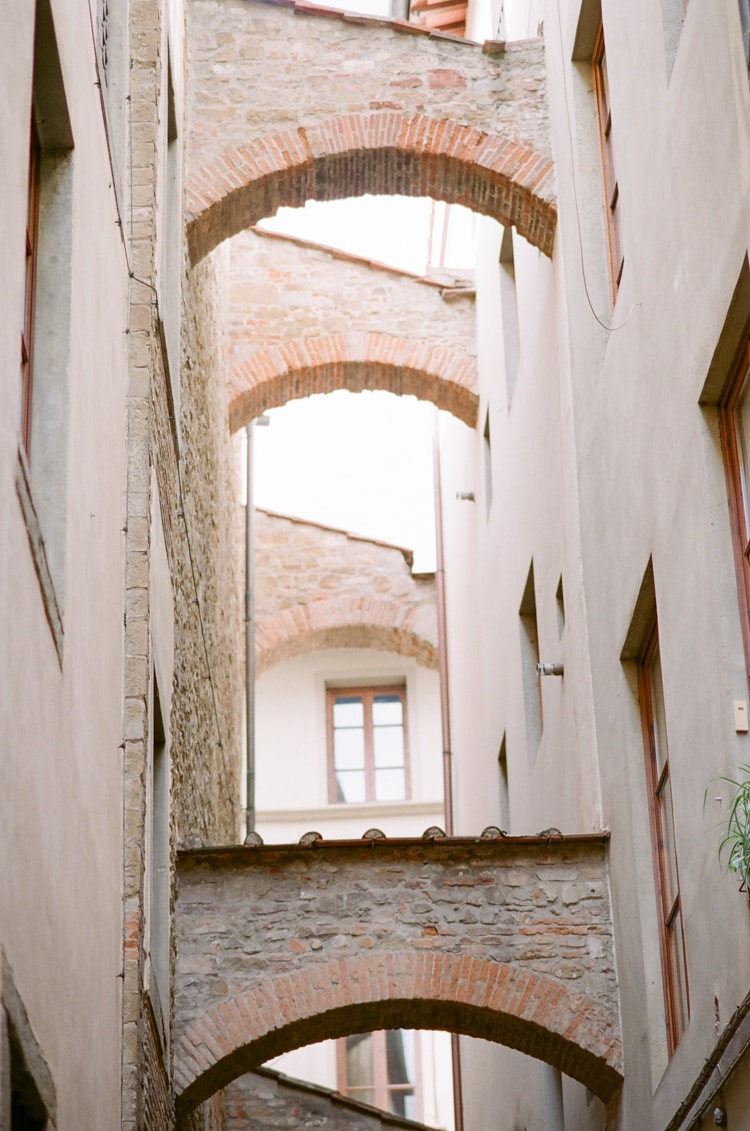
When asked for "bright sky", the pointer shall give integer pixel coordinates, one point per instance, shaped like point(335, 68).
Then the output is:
point(363, 462)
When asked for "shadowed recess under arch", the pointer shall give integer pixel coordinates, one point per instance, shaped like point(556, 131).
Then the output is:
point(381, 153)
point(357, 361)
point(521, 1009)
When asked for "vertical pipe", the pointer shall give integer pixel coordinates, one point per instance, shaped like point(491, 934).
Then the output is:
point(445, 713)
point(250, 632)
point(445, 719)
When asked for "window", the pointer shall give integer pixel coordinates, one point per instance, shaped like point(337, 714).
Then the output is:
point(487, 448)
point(509, 308)
point(32, 237)
point(745, 21)
point(734, 424)
point(658, 779)
point(611, 186)
point(367, 747)
point(157, 864)
point(381, 1069)
point(532, 686)
point(45, 330)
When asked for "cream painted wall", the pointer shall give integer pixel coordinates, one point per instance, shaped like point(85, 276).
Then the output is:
point(603, 460)
point(61, 721)
point(291, 759)
point(292, 798)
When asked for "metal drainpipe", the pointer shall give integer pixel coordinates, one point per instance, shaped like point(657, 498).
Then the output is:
point(445, 718)
point(250, 632)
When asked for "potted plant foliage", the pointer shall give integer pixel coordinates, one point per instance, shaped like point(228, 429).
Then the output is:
point(735, 844)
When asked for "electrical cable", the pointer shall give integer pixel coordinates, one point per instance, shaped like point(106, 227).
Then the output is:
point(608, 327)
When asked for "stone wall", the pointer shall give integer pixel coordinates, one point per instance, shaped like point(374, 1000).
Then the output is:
point(269, 1101)
point(505, 939)
point(285, 289)
point(291, 336)
point(285, 106)
point(208, 578)
point(317, 588)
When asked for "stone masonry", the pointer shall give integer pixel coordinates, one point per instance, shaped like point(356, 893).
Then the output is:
point(507, 939)
point(318, 588)
point(287, 293)
point(283, 109)
point(269, 1101)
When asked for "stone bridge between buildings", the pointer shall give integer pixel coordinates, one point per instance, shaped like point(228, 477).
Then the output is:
point(504, 938)
point(287, 103)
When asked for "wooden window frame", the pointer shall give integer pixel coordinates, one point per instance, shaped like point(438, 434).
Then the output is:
point(367, 695)
point(381, 1088)
point(672, 950)
point(32, 256)
point(610, 182)
point(738, 490)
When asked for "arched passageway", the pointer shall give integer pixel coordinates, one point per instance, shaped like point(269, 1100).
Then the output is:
point(506, 939)
point(358, 107)
point(292, 370)
point(353, 622)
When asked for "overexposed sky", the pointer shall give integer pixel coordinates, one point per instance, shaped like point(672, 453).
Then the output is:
point(358, 461)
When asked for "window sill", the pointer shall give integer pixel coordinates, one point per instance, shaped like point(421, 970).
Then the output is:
point(38, 553)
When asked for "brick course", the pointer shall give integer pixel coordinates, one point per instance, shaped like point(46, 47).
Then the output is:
point(318, 588)
point(281, 112)
point(509, 940)
point(269, 1101)
point(289, 334)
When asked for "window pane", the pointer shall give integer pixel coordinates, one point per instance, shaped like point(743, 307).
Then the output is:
point(669, 853)
point(348, 712)
point(359, 1062)
point(402, 1102)
point(400, 1056)
point(678, 970)
point(742, 420)
point(388, 745)
point(390, 785)
point(387, 710)
point(350, 785)
point(660, 724)
point(349, 749)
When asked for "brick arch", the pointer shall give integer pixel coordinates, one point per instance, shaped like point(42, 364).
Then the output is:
point(383, 152)
point(352, 622)
point(478, 997)
point(357, 361)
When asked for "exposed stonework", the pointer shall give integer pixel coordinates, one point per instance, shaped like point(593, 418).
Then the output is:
point(318, 588)
point(280, 114)
point(509, 940)
point(270, 1101)
point(207, 719)
point(399, 332)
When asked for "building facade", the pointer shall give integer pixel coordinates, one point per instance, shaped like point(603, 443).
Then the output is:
point(592, 454)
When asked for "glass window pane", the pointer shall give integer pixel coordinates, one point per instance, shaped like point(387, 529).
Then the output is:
point(388, 743)
point(348, 712)
point(350, 785)
point(349, 749)
point(403, 1102)
point(660, 723)
point(359, 1062)
point(669, 852)
point(387, 710)
point(390, 785)
point(743, 436)
point(400, 1056)
point(679, 971)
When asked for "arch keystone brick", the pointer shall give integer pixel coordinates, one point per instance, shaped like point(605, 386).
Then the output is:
point(356, 361)
point(243, 994)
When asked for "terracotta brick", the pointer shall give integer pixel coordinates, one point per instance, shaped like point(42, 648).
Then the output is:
point(476, 980)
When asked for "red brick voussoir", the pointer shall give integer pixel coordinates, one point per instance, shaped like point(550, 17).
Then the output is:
point(357, 361)
point(383, 152)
